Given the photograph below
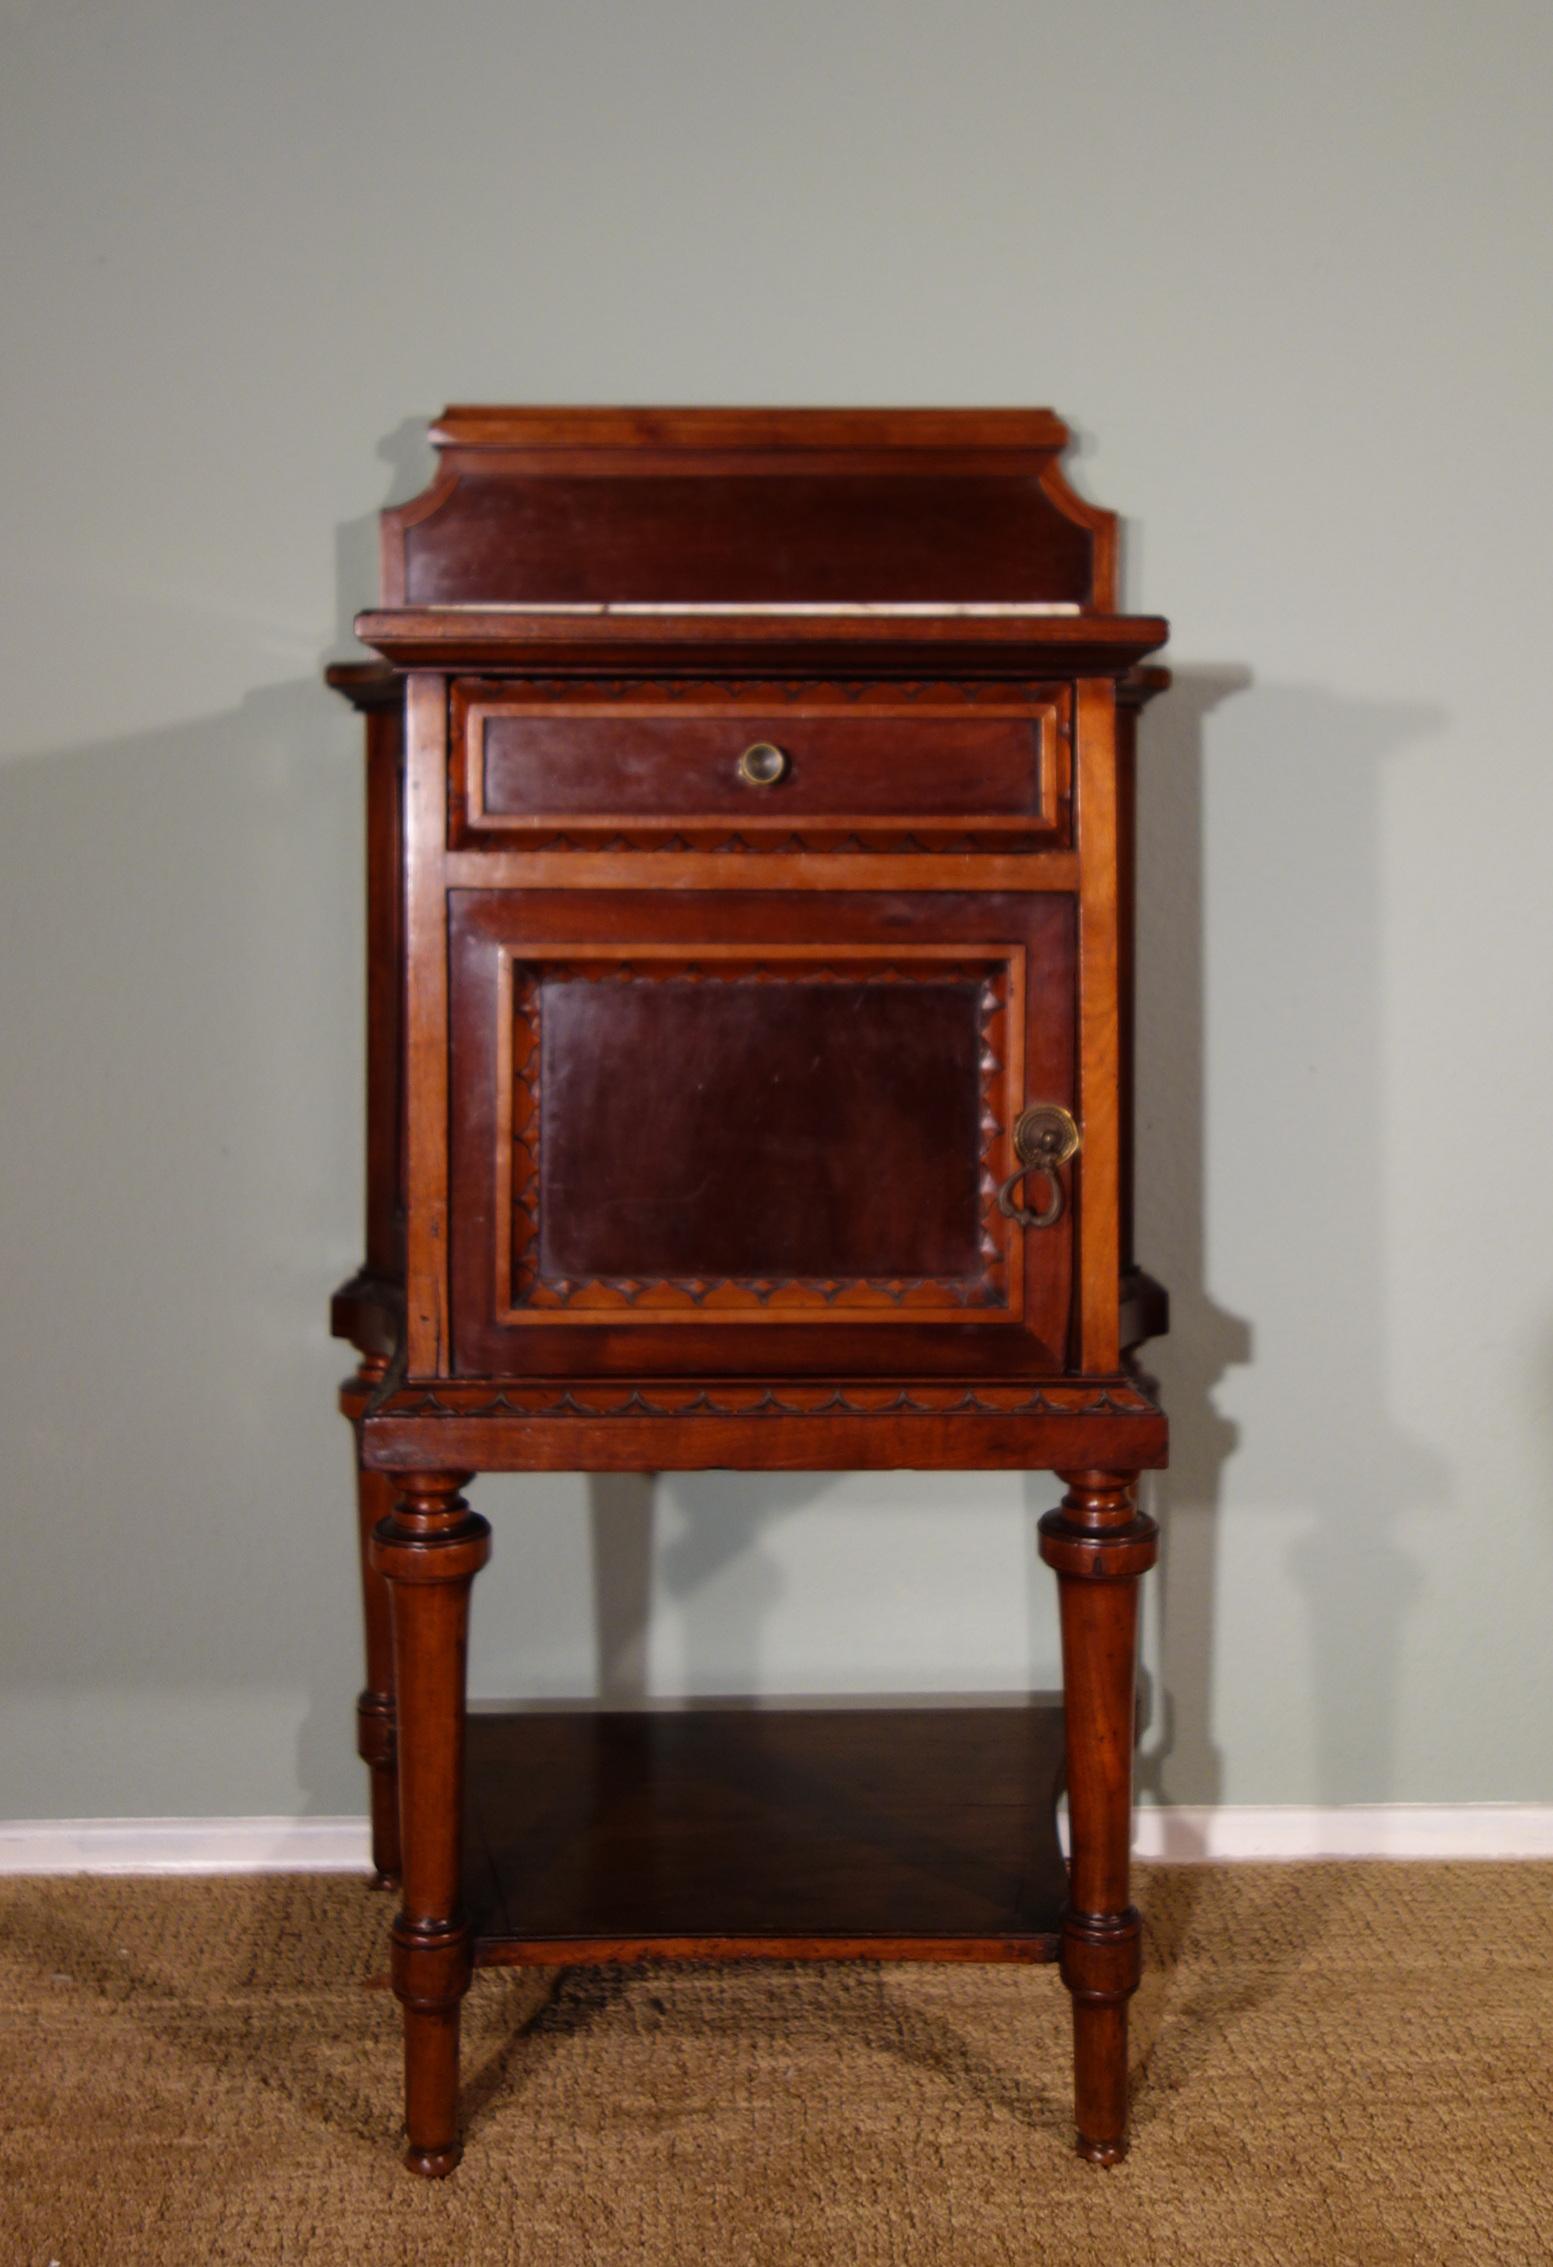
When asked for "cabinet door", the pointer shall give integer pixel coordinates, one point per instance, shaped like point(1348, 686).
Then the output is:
point(755, 1134)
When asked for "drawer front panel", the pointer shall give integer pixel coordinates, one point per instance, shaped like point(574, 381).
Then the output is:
point(874, 767)
point(686, 1145)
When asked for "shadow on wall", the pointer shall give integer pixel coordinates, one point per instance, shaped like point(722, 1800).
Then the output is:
point(1302, 774)
point(412, 464)
point(181, 1159)
point(180, 1187)
point(180, 1164)
point(1298, 778)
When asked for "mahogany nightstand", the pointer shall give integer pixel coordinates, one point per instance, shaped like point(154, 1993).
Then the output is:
point(750, 824)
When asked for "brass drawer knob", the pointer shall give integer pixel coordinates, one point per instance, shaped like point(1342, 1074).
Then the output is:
point(762, 764)
point(1045, 1137)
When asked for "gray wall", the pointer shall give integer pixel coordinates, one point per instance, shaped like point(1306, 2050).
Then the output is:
point(1287, 269)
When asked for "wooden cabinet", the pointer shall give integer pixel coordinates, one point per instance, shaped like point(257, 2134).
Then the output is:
point(749, 1016)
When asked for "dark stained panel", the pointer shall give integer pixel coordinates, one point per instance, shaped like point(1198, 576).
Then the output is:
point(826, 538)
point(741, 1128)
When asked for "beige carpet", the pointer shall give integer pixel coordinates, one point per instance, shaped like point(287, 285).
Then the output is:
point(1334, 2063)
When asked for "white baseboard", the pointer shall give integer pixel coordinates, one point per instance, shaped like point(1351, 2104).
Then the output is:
point(1180, 1835)
point(184, 1845)
point(1184, 1835)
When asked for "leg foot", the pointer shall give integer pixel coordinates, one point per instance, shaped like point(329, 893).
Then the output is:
point(434, 2164)
point(431, 2091)
point(1100, 2081)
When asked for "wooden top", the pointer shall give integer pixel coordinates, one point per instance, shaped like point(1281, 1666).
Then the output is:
point(624, 531)
point(496, 426)
point(781, 644)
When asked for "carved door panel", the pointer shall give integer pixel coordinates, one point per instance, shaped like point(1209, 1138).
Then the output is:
point(754, 1134)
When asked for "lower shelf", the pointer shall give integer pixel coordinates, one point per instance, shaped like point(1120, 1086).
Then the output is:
point(877, 1833)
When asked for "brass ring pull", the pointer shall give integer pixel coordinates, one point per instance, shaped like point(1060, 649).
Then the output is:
point(1049, 1214)
point(762, 765)
point(1045, 1137)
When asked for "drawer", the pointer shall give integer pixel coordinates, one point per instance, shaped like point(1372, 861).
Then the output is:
point(875, 767)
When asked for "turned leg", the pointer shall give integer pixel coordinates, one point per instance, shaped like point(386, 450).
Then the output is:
point(375, 1703)
point(1100, 1544)
point(429, 1550)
